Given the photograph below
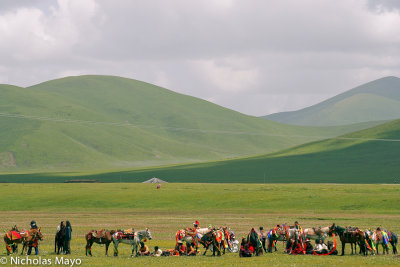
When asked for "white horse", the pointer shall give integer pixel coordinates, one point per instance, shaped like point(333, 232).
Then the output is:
point(315, 233)
point(190, 238)
point(139, 236)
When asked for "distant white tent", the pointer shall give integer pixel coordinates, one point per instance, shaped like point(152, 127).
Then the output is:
point(154, 180)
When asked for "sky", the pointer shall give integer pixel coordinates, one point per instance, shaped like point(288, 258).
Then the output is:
point(254, 56)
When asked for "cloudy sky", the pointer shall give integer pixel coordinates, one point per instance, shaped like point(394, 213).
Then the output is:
point(253, 56)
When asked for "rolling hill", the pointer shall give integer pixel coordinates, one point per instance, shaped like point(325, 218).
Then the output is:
point(106, 122)
point(367, 156)
point(374, 101)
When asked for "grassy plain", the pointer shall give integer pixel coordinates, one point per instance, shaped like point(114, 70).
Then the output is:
point(175, 206)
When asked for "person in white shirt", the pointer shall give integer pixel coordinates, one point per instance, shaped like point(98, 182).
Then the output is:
point(320, 247)
point(157, 252)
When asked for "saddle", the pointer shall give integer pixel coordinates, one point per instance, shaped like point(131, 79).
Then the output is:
point(14, 235)
point(351, 232)
point(100, 234)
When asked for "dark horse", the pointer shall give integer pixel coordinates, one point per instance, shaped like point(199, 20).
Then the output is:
point(349, 235)
point(392, 240)
point(59, 239)
point(100, 237)
point(255, 242)
point(212, 238)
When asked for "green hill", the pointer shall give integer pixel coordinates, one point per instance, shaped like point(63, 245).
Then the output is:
point(376, 100)
point(105, 122)
point(367, 156)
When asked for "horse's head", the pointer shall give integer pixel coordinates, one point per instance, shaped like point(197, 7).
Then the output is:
point(15, 228)
point(36, 234)
point(332, 230)
point(148, 234)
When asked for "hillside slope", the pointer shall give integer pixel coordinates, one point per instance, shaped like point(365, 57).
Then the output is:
point(376, 100)
point(367, 156)
point(105, 122)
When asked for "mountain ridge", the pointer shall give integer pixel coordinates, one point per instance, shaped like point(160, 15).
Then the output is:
point(386, 90)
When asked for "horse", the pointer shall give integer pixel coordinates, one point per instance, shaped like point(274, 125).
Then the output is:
point(214, 238)
point(100, 237)
point(138, 237)
point(255, 242)
point(190, 237)
point(14, 237)
point(30, 237)
point(349, 235)
point(281, 233)
point(315, 233)
point(378, 238)
point(59, 241)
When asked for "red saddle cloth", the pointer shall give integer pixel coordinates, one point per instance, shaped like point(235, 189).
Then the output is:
point(122, 235)
point(15, 235)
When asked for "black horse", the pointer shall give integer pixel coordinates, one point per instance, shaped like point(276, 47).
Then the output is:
point(349, 235)
point(59, 240)
point(209, 240)
point(254, 240)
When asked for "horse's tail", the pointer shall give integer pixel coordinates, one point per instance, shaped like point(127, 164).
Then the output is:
point(394, 238)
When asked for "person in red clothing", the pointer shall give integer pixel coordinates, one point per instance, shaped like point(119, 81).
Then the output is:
point(34, 243)
point(180, 249)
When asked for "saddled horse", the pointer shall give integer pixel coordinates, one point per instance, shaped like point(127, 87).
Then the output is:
point(349, 235)
point(14, 237)
point(315, 233)
point(190, 237)
point(281, 233)
point(379, 237)
point(255, 242)
point(102, 237)
point(138, 237)
point(214, 239)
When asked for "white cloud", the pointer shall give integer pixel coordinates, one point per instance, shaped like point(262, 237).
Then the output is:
point(226, 77)
point(254, 56)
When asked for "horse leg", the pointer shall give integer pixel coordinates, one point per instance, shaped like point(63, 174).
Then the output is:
point(23, 248)
point(343, 246)
point(107, 244)
point(115, 248)
point(9, 249)
point(393, 247)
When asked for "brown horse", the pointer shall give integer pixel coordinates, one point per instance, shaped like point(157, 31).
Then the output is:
point(349, 235)
point(14, 237)
point(100, 237)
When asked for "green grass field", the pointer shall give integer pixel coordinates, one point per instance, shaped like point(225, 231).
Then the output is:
point(356, 158)
point(175, 206)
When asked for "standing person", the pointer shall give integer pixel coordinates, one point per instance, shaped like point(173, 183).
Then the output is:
point(34, 243)
point(60, 227)
point(263, 237)
point(67, 237)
